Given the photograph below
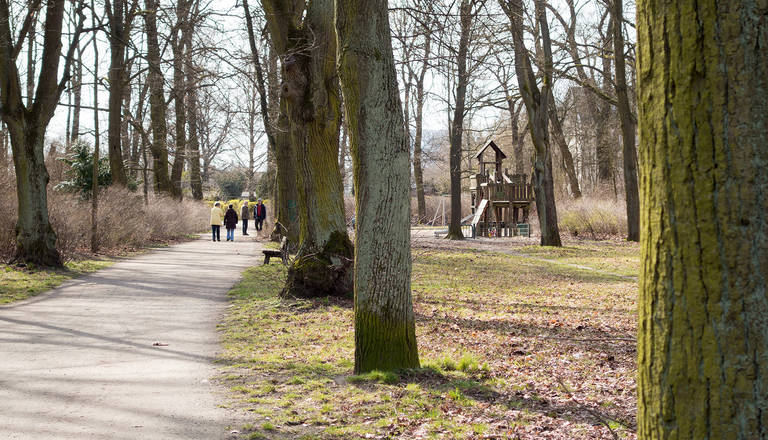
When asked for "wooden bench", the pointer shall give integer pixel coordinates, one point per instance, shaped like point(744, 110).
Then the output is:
point(269, 253)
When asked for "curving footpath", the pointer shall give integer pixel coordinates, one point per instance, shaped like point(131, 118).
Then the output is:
point(81, 361)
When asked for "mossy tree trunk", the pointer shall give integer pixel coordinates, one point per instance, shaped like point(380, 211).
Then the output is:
point(26, 125)
point(303, 36)
point(703, 306)
point(385, 337)
point(537, 103)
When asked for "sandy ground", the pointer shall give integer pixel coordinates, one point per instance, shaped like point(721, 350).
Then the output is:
point(123, 353)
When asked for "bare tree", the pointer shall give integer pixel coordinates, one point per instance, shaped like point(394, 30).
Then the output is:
point(157, 104)
point(466, 15)
point(537, 101)
point(96, 139)
point(628, 125)
point(195, 178)
point(120, 17)
point(26, 124)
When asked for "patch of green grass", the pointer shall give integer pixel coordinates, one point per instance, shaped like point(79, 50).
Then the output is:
point(21, 283)
point(376, 376)
point(492, 331)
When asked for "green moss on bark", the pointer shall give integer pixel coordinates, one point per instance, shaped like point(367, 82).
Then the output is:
point(324, 273)
point(383, 343)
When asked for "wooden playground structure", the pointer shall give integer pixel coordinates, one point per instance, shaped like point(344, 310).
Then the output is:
point(500, 203)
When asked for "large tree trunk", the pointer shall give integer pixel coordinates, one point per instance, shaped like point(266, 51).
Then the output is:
point(627, 126)
point(35, 238)
point(457, 128)
point(703, 331)
point(305, 39)
point(287, 208)
point(117, 90)
point(385, 337)
point(536, 104)
point(157, 107)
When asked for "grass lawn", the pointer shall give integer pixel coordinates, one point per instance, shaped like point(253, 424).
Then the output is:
point(511, 347)
point(21, 283)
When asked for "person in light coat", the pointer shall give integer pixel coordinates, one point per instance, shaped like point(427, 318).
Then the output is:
point(217, 216)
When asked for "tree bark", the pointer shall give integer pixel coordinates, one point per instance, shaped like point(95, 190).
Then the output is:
point(96, 142)
point(77, 86)
point(271, 104)
point(157, 107)
point(193, 145)
point(628, 126)
point(703, 331)
point(536, 104)
point(604, 151)
point(457, 128)
point(180, 41)
point(31, 58)
point(303, 35)
point(119, 26)
point(418, 167)
point(35, 238)
point(518, 136)
point(385, 337)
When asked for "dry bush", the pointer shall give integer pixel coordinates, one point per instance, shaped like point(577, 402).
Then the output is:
point(8, 211)
point(124, 221)
point(593, 218)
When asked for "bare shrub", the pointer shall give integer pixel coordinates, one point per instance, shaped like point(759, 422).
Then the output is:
point(8, 212)
point(593, 218)
point(124, 221)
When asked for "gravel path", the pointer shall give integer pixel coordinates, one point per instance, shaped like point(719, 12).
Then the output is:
point(81, 361)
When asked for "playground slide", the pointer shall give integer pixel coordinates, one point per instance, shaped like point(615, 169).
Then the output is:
point(479, 211)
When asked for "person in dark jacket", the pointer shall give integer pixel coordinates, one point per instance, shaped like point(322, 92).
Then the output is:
point(230, 222)
point(259, 214)
point(245, 215)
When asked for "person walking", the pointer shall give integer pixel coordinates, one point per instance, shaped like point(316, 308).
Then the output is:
point(259, 214)
point(245, 215)
point(216, 218)
point(230, 222)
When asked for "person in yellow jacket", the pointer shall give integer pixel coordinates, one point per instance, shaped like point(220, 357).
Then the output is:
point(217, 217)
